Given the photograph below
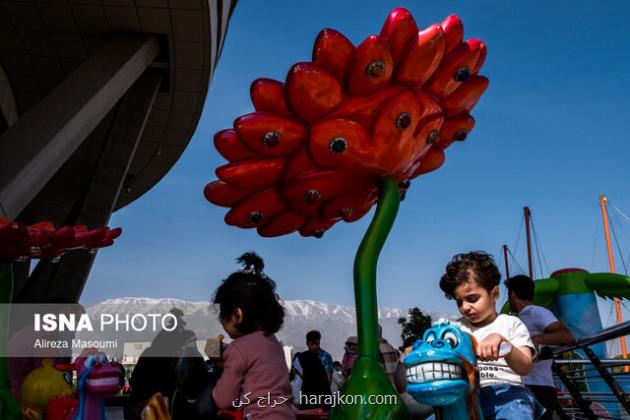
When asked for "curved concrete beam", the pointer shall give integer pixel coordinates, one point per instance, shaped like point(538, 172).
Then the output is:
point(8, 106)
point(46, 136)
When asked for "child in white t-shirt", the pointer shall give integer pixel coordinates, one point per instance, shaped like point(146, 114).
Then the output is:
point(505, 349)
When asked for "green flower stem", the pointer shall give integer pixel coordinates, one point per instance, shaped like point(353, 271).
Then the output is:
point(368, 378)
point(9, 408)
point(365, 266)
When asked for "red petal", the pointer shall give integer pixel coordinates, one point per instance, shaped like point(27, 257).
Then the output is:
point(14, 232)
point(114, 233)
point(4, 221)
point(256, 210)
point(456, 68)
point(395, 147)
point(223, 194)
point(269, 134)
point(372, 67)
point(483, 51)
point(252, 174)
point(47, 226)
point(307, 194)
point(350, 207)
point(299, 163)
point(398, 30)
point(312, 91)
point(91, 236)
point(350, 136)
point(268, 96)
point(432, 160)
point(63, 237)
point(362, 109)
point(231, 147)
point(282, 224)
point(453, 31)
point(465, 98)
point(455, 128)
point(422, 57)
point(359, 213)
point(317, 227)
point(427, 132)
point(430, 108)
point(334, 51)
point(37, 238)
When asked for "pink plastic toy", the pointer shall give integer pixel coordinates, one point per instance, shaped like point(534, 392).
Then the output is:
point(98, 379)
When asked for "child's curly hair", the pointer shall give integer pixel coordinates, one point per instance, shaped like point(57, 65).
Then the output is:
point(254, 293)
point(476, 265)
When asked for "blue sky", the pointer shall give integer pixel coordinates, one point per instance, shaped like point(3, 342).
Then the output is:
point(551, 134)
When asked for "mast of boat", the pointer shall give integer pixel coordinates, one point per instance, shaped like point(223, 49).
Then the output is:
point(611, 263)
point(505, 257)
point(528, 215)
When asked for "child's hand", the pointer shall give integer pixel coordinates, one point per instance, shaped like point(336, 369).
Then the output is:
point(489, 348)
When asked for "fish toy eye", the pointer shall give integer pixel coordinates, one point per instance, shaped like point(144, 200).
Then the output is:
point(450, 337)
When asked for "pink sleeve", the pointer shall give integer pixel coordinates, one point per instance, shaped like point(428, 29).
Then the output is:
point(228, 388)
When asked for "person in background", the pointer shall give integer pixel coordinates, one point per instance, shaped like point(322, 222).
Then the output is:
point(407, 345)
point(546, 330)
point(350, 355)
point(315, 385)
point(338, 378)
point(154, 371)
point(388, 356)
point(295, 376)
point(313, 339)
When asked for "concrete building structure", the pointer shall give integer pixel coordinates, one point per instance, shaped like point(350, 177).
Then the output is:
point(98, 99)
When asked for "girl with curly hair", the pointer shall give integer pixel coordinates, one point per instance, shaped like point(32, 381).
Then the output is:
point(255, 373)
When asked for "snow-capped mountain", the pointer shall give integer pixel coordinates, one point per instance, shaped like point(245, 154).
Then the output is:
point(335, 322)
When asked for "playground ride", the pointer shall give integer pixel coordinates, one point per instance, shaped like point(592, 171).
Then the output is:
point(571, 294)
point(98, 379)
point(40, 387)
point(442, 372)
point(347, 130)
point(19, 242)
point(46, 394)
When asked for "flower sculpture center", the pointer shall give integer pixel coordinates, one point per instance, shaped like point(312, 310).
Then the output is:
point(315, 148)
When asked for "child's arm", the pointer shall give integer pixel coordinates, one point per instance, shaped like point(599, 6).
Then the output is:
point(228, 388)
point(519, 359)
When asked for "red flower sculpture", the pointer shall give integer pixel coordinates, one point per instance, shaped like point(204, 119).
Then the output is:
point(313, 152)
point(43, 240)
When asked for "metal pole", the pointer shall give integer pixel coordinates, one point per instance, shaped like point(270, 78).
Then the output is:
point(507, 267)
point(608, 378)
point(528, 214)
point(583, 404)
point(611, 262)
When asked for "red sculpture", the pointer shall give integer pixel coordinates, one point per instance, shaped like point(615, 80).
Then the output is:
point(313, 152)
point(44, 241)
